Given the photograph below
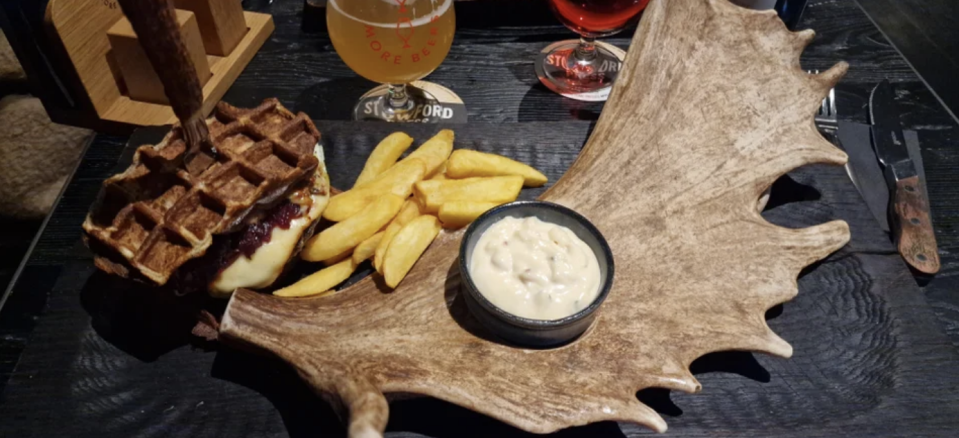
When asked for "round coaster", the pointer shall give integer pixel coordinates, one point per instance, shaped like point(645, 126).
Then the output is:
point(432, 103)
point(554, 57)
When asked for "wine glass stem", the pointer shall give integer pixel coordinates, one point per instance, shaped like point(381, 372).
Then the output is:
point(586, 50)
point(398, 98)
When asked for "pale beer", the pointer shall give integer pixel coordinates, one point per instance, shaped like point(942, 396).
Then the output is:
point(391, 41)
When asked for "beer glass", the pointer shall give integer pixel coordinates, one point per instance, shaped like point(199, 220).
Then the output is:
point(393, 42)
point(585, 69)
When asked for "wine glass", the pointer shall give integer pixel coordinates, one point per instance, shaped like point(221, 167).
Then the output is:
point(395, 43)
point(585, 69)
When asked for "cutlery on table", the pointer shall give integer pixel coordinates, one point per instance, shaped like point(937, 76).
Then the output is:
point(909, 217)
point(827, 120)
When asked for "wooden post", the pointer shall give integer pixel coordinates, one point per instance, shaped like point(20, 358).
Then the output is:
point(142, 82)
point(221, 23)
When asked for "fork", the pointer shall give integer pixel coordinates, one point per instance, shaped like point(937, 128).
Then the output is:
point(827, 120)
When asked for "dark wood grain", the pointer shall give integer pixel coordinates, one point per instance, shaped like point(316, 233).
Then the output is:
point(870, 357)
point(925, 34)
point(14, 244)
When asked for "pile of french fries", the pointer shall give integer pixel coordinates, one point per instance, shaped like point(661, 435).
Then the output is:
point(397, 207)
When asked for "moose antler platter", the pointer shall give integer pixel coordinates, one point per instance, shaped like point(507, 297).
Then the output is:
point(711, 107)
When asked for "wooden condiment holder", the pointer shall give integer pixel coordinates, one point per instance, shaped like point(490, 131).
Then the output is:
point(222, 20)
point(115, 75)
point(141, 81)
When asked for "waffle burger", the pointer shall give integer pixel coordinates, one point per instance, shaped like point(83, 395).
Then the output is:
point(233, 218)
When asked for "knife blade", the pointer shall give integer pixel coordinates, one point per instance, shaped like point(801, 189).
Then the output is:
point(909, 218)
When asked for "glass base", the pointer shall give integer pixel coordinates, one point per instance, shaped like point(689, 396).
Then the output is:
point(559, 69)
point(427, 103)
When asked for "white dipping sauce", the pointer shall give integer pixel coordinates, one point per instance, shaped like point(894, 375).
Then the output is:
point(534, 269)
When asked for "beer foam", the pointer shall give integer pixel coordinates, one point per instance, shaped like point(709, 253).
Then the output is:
point(438, 11)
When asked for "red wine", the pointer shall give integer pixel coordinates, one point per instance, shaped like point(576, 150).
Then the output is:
point(596, 18)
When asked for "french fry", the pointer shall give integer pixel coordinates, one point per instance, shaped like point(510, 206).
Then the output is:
point(497, 189)
point(407, 247)
point(398, 180)
point(384, 156)
point(346, 235)
point(465, 163)
point(410, 211)
point(434, 152)
point(338, 258)
point(458, 214)
point(380, 252)
point(440, 174)
point(319, 283)
point(366, 248)
point(419, 202)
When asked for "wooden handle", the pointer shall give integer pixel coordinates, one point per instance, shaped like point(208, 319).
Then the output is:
point(155, 24)
point(912, 226)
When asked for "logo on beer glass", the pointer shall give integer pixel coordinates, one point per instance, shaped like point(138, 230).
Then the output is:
point(560, 59)
point(405, 31)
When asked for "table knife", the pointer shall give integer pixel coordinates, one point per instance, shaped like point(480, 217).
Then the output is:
point(909, 217)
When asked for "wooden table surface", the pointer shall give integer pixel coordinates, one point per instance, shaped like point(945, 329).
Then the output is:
point(908, 333)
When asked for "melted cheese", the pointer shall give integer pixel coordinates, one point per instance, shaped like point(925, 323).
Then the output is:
point(268, 261)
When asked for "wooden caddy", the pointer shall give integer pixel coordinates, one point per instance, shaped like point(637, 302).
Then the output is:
point(117, 78)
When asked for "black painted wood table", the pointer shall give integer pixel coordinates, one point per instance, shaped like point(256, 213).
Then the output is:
point(84, 354)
